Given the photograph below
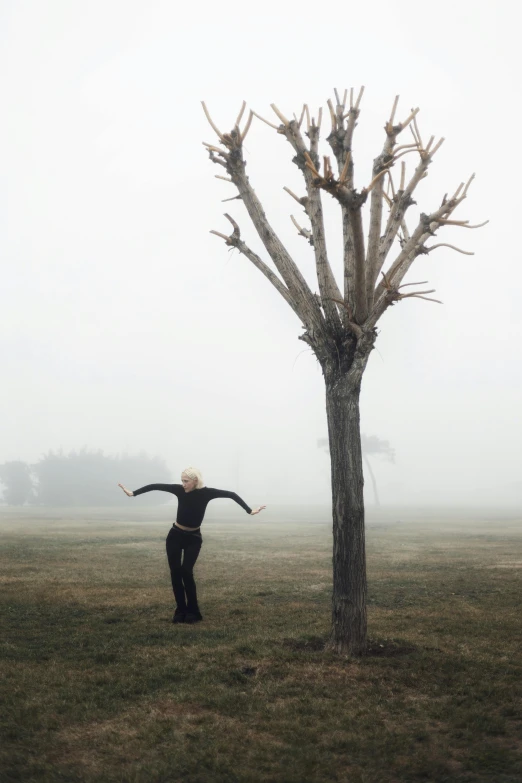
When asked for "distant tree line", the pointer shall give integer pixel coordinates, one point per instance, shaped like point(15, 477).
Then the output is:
point(17, 482)
point(80, 478)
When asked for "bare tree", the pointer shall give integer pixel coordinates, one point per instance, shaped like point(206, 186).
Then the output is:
point(340, 326)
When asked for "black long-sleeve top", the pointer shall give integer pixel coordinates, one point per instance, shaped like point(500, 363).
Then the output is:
point(192, 505)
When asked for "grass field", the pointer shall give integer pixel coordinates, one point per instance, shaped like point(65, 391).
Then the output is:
point(98, 685)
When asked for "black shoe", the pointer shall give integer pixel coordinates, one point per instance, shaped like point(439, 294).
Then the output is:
point(193, 617)
point(179, 617)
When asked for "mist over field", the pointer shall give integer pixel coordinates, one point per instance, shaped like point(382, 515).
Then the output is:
point(127, 327)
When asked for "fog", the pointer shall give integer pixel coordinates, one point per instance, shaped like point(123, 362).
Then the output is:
point(128, 327)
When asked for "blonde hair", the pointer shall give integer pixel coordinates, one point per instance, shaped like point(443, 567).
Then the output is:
point(194, 473)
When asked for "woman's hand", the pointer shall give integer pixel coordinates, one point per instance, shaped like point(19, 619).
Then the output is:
point(256, 510)
point(127, 491)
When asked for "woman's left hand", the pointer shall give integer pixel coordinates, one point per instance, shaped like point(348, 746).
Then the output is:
point(256, 510)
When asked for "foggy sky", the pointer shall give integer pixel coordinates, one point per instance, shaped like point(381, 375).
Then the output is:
point(126, 326)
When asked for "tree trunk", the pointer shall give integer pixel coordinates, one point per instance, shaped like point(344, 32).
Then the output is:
point(349, 559)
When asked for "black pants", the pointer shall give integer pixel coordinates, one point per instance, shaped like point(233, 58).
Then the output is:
point(182, 553)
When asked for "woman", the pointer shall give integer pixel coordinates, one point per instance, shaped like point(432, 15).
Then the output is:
point(184, 539)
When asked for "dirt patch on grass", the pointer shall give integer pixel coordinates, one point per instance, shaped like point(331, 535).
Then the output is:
point(125, 598)
point(376, 648)
point(319, 586)
point(130, 724)
point(312, 644)
point(136, 736)
point(388, 649)
point(168, 708)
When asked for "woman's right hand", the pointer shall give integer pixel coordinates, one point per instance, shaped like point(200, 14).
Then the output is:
point(127, 491)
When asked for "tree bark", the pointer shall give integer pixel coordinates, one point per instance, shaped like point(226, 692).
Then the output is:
point(348, 634)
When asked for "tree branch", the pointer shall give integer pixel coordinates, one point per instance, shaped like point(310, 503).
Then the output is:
point(394, 109)
point(352, 326)
point(211, 123)
point(332, 114)
point(234, 240)
point(445, 244)
point(462, 223)
point(421, 282)
point(374, 237)
point(271, 124)
point(340, 140)
point(304, 232)
point(281, 116)
point(305, 162)
point(401, 202)
point(361, 302)
point(403, 199)
point(387, 290)
point(419, 296)
point(240, 115)
point(351, 201)
point(301, 201)
point(381, 165)
point(302, 297)
point(310, 313)
point(247, 126)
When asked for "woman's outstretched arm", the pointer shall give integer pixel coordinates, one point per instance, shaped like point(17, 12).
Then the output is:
point(224, 493)
point(172, 488)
